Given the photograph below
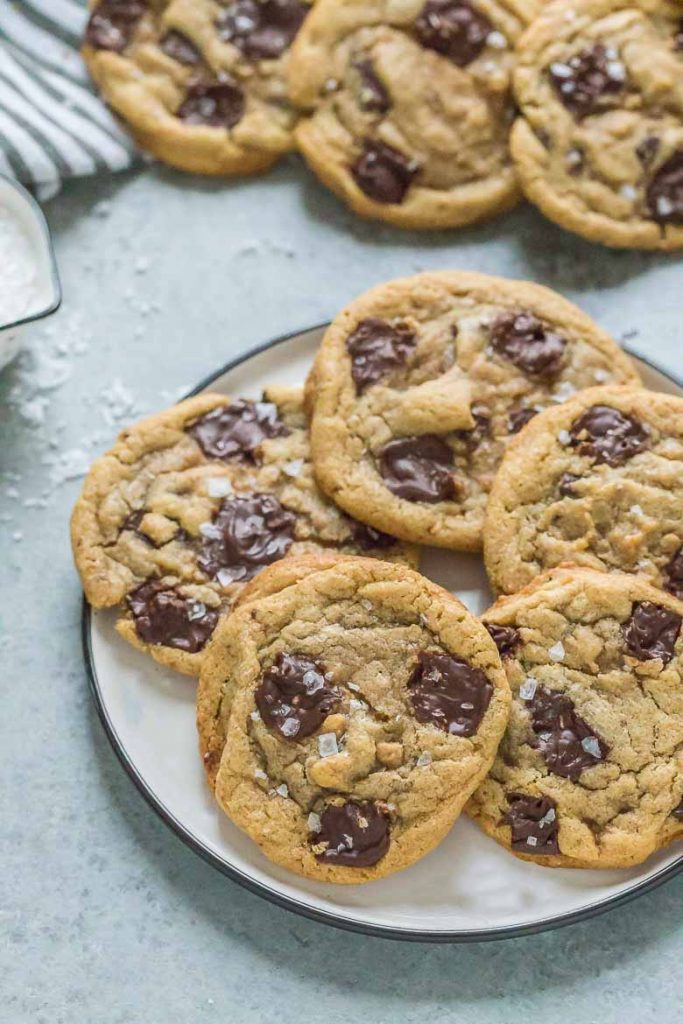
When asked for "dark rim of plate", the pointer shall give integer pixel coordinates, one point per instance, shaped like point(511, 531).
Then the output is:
point(298, 906)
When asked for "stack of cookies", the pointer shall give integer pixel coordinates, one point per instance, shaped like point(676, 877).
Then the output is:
point(421, 113)
point(349, 708)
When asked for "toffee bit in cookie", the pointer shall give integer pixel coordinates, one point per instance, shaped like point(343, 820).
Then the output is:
point(449, 693)
point(383, 173)
point(673, 574)
point(215, 104)
point(354, 835)
point(647, 149)
point(567, 742)
point(456, 29)
point(367, 537)
point(566, 485)
point(664, 193)
point(177, 46)
point(250, 531)
point(528, 344)
point(585, 81)
point(373, 95)
point(163, 617)
point(418, 468)
point(651, 632)
point(376, 348)
point(236, 431)
point(534, 824)
point(112, 24)
point(294, 696)
point(506, 638)
point(519, 416)
point(262, 29)
point(608, 436)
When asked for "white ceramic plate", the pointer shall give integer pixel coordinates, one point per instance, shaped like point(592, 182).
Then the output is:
point(467, 889)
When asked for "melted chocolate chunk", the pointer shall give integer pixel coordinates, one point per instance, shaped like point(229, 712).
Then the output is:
point(112, 24)
point(506, 638)
point(177, 46)
point(163, 617)
point(294, 696)
point(132, 522)
point(376, 348)
point(519, 416)
point(216, 104)
point(367, 537)
point(454, 28)
point(373, 92)
point(262, 29)
point(678, 36)
point(418, 468)
point(356, 834)
point(449, 693)
point(480, 431)
point(534, 825)
point(586, 81)
point(673, 574)
point(608, 436)
point(526, 341)
point(651, 632)
point(565, 486)
point(236, 431)
point(383, 173)
point(250, 531)
point(677, 812)
point(647, 150)
point(567, 742)
point(664, 194)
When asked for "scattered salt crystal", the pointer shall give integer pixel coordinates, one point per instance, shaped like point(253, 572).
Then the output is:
point(12, 492)
point(210, 531)
point(628, 192)
point(312, 681)
point(564, 391)
point(327, 744)
point(294, 467)
point(664, 206)
point(260, 774)
point(282, 789)
point(548, 818)
point(290, 727)
point(357, 705)
point(424, 759)
point(102, 209)
point(601, 376)
point(560, 70)
point(353, 686)
point(497, 40)
point(69, 465)
point(255, 716)
point(528, 688)
point(141, 265)
point(218, 487)
point(557, 651)
point(225, 577)
point(314, 822)
point(532, 841)
point(636, 510)
point(564, 437)
point(591, 745)
point(17, 535)
point(616, 70)
point(197, 611)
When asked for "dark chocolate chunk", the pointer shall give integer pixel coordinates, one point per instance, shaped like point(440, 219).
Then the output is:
point(112, 24)
point(677, 812)
point(519, 416)
point(664, 193)
point(383, 173)
point(449, 693)
point(678, 36)
point(567, 742)
point(373, 92)
point(480, 431)
point(534, 825)
point(651, 632)
point(608, 436)
point(418, 468)
point(506, 638)
point(132, 522)
point(356, 834)
point(295, 697)
point(177, 46)
point(163, 617)
point(566, 485)
point(217, 104)
point(235, 431)
point(367, 537)
point(588, 80)
point(262, 29)
point(454, 28)
point(528, 343)
point(248, 532)
point(376, 348)
point(647, 149)
point(673, 574)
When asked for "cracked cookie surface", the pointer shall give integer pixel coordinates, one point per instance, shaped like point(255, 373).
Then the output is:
point(201, 84)
point(599, 145)
point(345, 714)
point(598, 482)
point(190, 504)
point(410, 106)
point(420, 384)
point(590, 770)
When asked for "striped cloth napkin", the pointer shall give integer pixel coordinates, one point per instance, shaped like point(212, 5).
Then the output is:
point(52, 124)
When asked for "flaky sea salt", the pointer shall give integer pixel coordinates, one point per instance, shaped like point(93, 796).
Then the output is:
point(255, 716)
point(314, 822)
point(290, 727)
point(327, 744)
point(591, 745)
point(260, 774)
point(424, 759)
point(197, 611)
point(210, 531)
point(282, 789)
point(564, 437)
point(218, 487)
point(528, 688)
point(293, 468)
point(557, 651)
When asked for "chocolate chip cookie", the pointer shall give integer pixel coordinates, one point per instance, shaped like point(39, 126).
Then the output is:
point(598, 482)
point(410, 106)
point(599, 145)
point(590, 771)
point(345, 714)
point(201, 84)
point(191, 504)
point(420, 384)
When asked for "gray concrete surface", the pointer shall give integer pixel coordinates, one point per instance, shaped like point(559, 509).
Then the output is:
point(105, 917)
